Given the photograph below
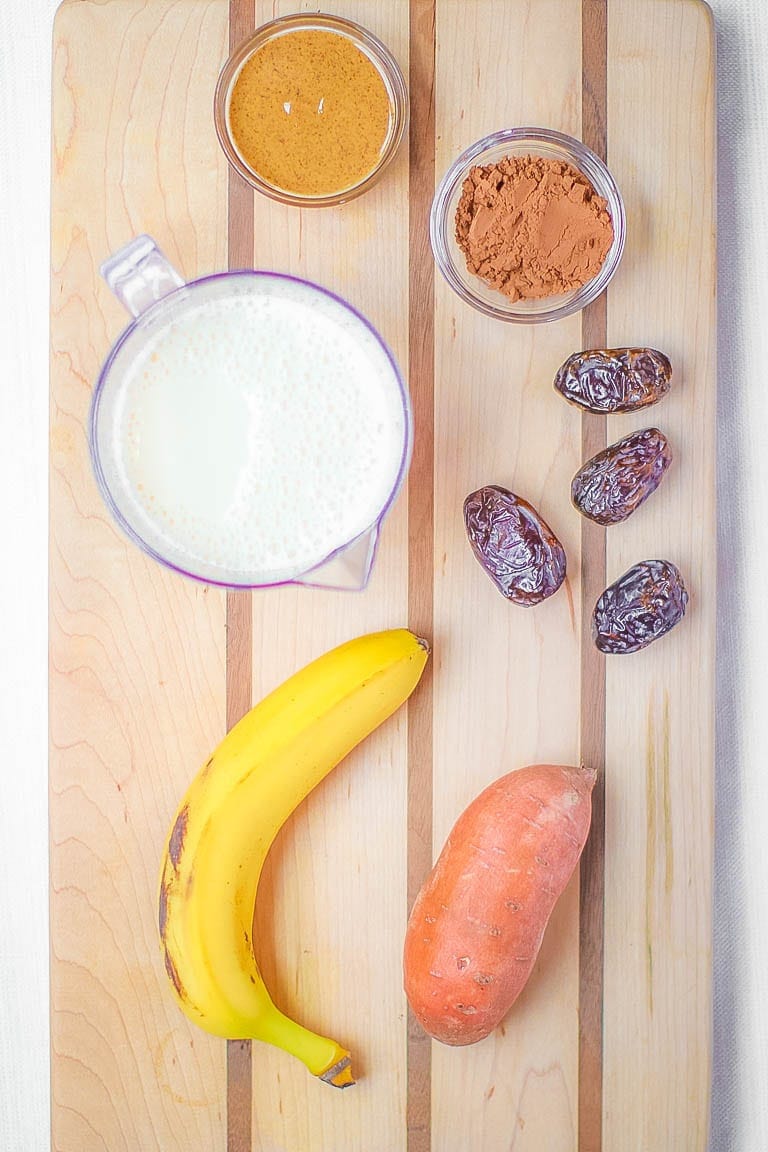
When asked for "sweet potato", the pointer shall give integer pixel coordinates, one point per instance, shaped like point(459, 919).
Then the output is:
point(476, 928)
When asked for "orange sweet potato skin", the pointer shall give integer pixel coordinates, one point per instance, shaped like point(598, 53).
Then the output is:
point(476, 928)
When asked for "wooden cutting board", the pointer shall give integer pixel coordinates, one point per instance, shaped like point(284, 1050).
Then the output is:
point(609, 1046)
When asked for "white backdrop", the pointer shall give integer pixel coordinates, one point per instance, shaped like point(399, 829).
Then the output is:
point(740, 1081)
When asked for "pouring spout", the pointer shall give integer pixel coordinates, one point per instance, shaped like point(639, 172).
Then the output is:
point(348, 569)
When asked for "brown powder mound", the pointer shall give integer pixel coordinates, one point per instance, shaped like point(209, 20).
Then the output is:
point(532, 227)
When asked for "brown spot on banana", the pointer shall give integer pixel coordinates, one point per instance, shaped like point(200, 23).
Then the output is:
point(176, 842)
point(173, 975)
point(162, 909)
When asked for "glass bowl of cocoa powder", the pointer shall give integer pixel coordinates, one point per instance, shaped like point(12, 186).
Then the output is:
point(528, 225)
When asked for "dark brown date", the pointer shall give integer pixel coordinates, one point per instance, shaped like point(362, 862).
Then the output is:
point(614, 379)
point(517, 549)
point(610, 486)
point(641, 606)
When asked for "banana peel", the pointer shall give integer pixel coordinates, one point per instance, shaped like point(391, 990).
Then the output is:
point(233, 809)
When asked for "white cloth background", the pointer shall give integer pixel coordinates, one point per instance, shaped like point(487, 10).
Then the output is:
point(740, 1075)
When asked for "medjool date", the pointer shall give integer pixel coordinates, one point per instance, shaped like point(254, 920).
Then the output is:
point(614, 379)
point(517, 549)
point(610, 486)
point(639, 607)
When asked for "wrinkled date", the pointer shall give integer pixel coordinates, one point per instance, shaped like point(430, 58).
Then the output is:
point(517, 549)
point(610, 486)
point(640, 607)
point(614, 379)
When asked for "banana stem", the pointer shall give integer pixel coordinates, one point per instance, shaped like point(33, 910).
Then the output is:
point(323, 1057)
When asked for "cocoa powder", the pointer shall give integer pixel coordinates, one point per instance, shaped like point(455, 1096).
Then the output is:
point(532, 227)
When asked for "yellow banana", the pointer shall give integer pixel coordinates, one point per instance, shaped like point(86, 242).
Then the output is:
point(231, 813)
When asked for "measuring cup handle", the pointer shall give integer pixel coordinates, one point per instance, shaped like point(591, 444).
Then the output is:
point(139, 274)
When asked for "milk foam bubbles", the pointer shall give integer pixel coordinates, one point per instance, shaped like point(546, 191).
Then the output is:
point(257, 431)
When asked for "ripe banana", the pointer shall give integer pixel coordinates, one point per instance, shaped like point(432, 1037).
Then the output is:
point(231, 813)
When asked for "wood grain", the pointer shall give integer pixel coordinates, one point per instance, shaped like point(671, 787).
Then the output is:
point(594, 109)
point(660, 705)
point(239, 651)
point(332, 906)
point(506, 681)
point(148, 669)
point(136, 653)
point(421, 512)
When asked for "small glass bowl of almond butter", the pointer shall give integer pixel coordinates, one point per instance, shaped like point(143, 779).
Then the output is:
point(311, 109)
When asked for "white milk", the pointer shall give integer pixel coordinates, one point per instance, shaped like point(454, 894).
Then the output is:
point(258, 433)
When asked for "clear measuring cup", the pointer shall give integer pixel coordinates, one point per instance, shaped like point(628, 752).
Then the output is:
point(248, 429)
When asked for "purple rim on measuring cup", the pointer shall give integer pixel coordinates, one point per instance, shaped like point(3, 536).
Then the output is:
point(302, 577)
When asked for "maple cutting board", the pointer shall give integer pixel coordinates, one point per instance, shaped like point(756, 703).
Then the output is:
point(609, 1046)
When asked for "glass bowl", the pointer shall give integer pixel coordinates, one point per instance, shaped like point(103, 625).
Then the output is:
point(450, 259)
point(378, 54)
